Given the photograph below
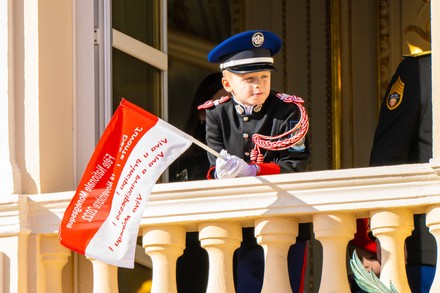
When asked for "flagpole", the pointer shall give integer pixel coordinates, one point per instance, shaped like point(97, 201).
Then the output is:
point(207, 148)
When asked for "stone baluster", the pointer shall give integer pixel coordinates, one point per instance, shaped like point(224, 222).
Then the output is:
point(164, 245)
point(433, 222)
point(392, 227)
point(334, 231)
point(276, 235)
point(54, 257)
point(220, 239)
point(105, 277)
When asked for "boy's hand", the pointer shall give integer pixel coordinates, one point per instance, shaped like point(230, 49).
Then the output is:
point(232, 166)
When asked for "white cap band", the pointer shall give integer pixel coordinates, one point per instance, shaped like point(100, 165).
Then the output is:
point(246, 61)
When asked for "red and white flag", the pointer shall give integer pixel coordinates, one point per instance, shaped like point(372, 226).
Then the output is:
point(103, 218)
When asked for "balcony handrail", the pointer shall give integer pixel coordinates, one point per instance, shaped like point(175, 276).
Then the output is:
point(296, 194)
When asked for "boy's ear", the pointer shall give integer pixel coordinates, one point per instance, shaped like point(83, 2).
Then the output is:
point(226, 84)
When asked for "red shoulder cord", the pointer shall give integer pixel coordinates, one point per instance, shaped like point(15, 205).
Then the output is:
point(265, 142)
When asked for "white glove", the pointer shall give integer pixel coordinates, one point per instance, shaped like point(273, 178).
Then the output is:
point(232, 166)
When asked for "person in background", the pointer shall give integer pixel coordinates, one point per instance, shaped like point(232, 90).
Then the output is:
point(258, 131)
point(185, 168)
point(367, 251)
point(404, 135)
point(192, 266)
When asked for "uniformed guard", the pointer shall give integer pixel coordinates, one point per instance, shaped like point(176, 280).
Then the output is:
point(404, 135)
point(258, 131)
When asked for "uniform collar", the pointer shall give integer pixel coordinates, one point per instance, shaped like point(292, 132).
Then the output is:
point(246, 110)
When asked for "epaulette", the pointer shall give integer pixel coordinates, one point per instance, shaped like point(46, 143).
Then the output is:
point(415, 55)
point(211, 103)
point(289, 98)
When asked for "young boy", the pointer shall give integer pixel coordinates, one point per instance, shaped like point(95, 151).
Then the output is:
point(259, 132)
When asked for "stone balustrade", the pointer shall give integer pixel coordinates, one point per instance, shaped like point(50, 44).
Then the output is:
point(219, 209)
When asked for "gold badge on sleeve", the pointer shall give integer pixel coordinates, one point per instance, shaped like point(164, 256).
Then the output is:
point(395, 96)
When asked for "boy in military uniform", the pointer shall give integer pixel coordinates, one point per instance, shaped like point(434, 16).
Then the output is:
point(258, 132)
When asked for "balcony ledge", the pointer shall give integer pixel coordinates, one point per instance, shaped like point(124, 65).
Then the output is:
point(299, 195)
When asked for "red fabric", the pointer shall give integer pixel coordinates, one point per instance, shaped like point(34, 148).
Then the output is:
point(303, 273)
point(361, 238)
point(210, 171)
point(268, 169)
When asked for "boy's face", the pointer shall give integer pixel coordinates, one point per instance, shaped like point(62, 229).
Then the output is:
point(248, 88)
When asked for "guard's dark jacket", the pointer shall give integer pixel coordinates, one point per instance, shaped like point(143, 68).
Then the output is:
point(228, 127)
point(404, 135)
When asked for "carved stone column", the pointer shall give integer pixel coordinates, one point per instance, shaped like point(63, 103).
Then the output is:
point(105, 277)
point(164, 245)
point(334, 231)
point(220, 239)
point(276, 235)
point(433, 222)
point(54, 257)
point(392, 227)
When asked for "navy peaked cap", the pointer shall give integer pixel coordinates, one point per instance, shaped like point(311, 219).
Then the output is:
point(248, 51)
